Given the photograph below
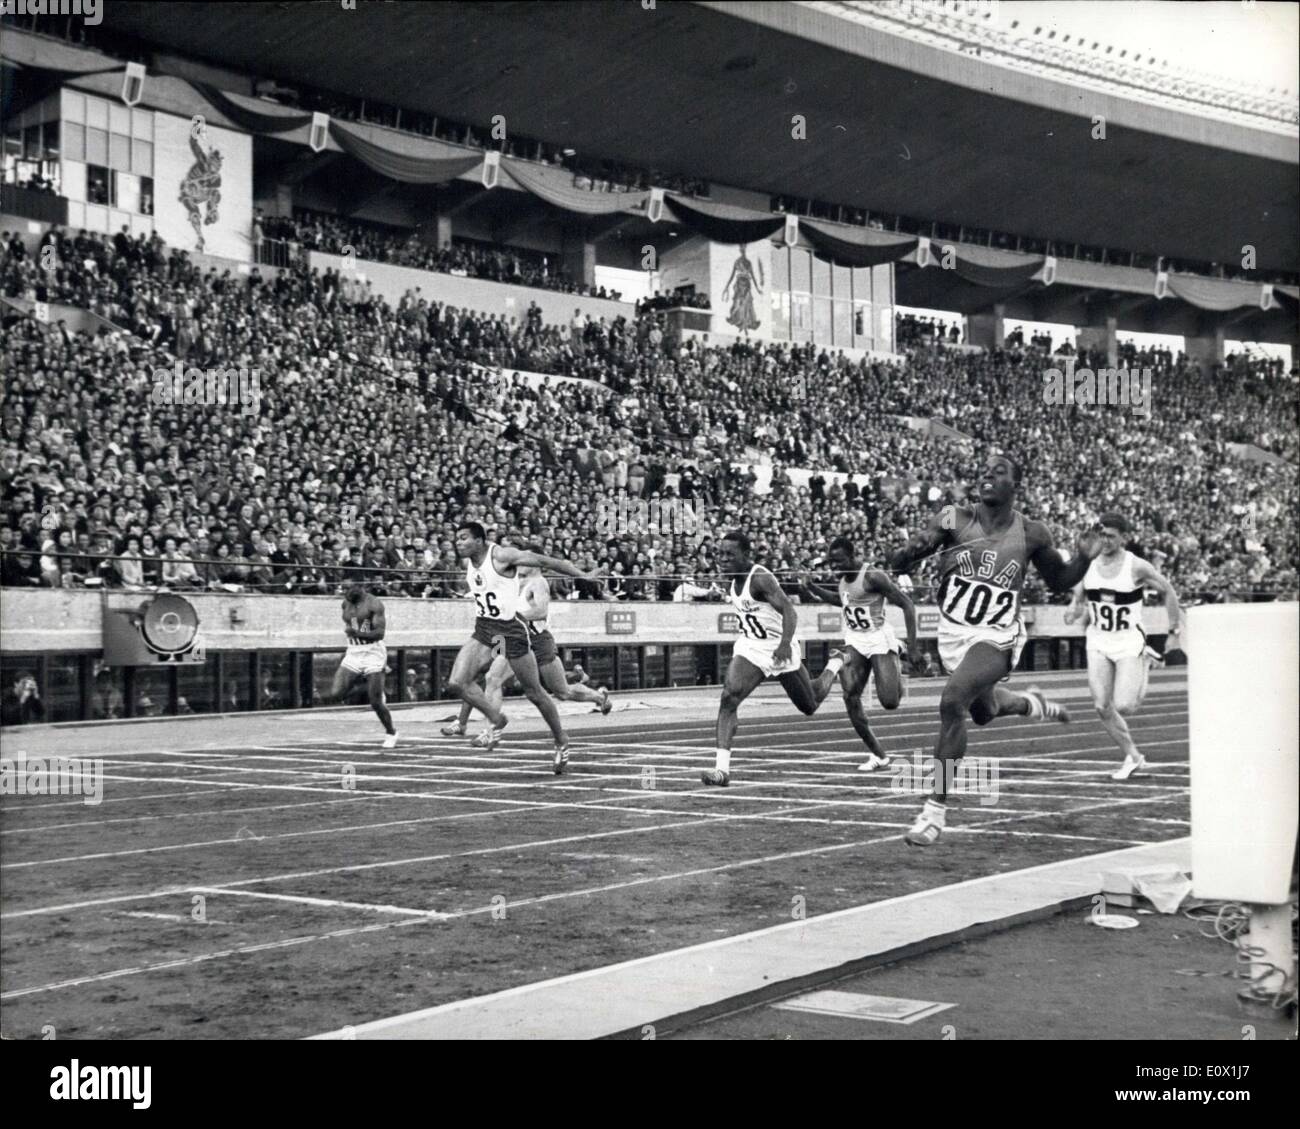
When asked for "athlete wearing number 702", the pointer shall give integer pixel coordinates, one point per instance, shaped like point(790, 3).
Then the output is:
point(767, 648)
point(1110, 596)
point(986, 549)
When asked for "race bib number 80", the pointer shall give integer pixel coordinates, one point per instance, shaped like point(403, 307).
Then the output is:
point(977, 603)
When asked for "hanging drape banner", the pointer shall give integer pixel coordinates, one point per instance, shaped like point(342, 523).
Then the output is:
point(133, 83)
point(320, 129)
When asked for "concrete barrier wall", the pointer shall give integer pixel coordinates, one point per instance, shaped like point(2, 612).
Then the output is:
point(54, 620)
point(479, 294)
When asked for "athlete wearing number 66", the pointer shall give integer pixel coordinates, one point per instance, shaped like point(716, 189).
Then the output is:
point(985, 551)
point(1110, 597)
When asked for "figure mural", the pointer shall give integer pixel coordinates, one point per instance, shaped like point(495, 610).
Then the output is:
point(201, 188)
point(743, 284)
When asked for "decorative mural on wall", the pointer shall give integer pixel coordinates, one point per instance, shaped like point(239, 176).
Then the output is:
point(200, 191)
point(203, 186)
point(746, 282)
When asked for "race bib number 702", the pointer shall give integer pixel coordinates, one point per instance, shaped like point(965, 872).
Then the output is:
point(977, 603)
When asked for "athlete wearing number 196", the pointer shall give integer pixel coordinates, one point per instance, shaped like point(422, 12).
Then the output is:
point(1110, 596)
point(767, 648)
point(986, 549)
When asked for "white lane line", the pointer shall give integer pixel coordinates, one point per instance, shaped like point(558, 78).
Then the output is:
point(589, 891)
point(14, 808)
point(744, 789)
point(326, 903)
point(417, 860)
point(185, 962)
point(158, 916)
point(188, 814)
point(532, 844)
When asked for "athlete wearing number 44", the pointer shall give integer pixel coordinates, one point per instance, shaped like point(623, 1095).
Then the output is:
point(366, 656)
point(1119, 660)
point(985, 550)
point(494, 585)
point(870, 645)
point(767, 648)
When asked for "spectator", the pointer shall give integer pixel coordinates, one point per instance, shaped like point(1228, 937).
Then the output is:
point(22, 703)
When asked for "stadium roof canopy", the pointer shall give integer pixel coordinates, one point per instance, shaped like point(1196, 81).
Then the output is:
point(709, 90)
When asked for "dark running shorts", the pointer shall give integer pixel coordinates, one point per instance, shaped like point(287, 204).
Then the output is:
point(515, 634)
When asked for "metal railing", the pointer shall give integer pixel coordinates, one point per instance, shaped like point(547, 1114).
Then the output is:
point(263, 577)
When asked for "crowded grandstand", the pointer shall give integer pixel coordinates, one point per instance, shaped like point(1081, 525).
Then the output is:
point(411, 416)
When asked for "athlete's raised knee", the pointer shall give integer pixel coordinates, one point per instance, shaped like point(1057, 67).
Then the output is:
point(981, 713)
point(955, 701)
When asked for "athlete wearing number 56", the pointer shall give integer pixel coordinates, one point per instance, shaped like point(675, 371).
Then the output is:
point(767, 648)
point(985, 550)
point(494, 586)
point(1110, 597)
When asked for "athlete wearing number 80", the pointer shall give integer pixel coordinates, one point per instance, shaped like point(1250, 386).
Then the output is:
point(768, 648)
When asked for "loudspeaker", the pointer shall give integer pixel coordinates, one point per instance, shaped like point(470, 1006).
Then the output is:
point(160, 629)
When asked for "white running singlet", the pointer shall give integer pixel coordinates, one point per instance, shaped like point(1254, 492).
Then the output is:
point(495, 596)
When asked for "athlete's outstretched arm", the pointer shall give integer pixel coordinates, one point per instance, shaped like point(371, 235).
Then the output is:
point(511, 557)
point(1052, 567)
point(1145, 573)
point(765, 586)
point(936, 534)
point(818, 591)
point(882, 582)
point(1080, 605)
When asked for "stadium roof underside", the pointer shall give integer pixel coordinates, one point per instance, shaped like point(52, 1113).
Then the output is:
point(709, 91)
